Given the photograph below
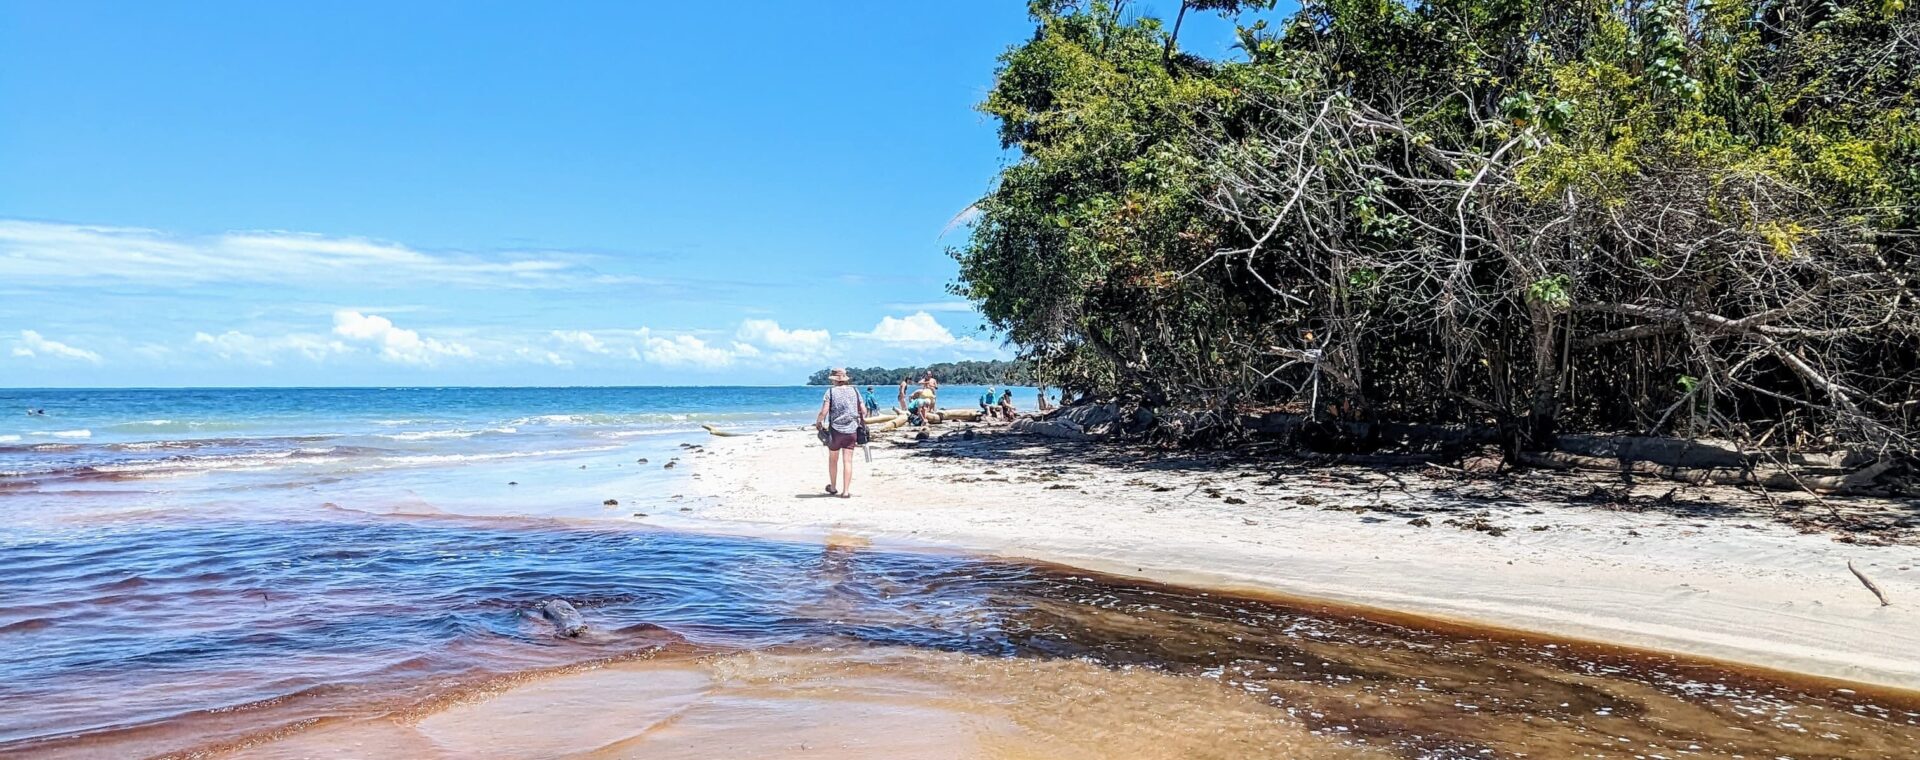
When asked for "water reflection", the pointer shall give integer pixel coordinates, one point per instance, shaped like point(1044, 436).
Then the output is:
point(185, 630)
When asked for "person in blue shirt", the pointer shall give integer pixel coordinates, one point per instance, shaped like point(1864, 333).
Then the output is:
point(872, 403)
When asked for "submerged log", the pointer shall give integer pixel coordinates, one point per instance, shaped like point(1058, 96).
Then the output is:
point(566, 620)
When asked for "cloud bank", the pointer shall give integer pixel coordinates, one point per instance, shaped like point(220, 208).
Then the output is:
point(31, 344)
point(46, 252)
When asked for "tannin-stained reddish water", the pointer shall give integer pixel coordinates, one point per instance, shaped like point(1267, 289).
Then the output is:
point(180, 635)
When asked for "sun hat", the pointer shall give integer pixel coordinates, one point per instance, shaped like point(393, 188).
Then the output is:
point(839, 375)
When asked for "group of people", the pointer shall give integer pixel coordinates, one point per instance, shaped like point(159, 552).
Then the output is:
point(922, 401)
point(1001, 408)
point(844, 409)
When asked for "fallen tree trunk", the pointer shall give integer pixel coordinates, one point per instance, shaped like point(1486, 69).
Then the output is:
point(1863, 481)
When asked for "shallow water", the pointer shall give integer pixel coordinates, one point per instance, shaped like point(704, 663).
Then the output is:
point(375, 600)
point(214, 630)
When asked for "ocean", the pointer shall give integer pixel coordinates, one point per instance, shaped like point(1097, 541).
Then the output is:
point(450, 450)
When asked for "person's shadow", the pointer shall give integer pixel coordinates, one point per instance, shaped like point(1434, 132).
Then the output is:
point(813, 496)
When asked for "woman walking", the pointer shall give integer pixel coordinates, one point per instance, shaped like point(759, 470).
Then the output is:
point(841, 414)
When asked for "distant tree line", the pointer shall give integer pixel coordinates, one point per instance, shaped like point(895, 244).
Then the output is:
point(1673, 217)
point(948, 373)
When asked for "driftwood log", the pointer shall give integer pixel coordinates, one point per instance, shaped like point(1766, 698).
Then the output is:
point(1881, 595)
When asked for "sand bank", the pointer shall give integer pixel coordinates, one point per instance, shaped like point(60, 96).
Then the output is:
point(857, 703)
point(1699, 573)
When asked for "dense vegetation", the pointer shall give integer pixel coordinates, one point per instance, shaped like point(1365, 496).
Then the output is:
point(1691, 217)
point(949, 373)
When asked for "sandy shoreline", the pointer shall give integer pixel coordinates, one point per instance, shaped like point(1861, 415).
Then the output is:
point(1706, 580)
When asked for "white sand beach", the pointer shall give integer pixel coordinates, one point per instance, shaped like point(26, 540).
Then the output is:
point(1707, 578)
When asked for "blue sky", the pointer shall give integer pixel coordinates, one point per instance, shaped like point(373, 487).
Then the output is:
point(491, 193)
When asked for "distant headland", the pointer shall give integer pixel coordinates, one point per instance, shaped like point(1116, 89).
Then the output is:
point(952, 373)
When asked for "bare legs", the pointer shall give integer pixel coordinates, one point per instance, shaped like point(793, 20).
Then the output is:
point(846, 473)
point(839, 471)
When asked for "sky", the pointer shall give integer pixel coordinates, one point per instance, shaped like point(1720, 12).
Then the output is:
point(492, 193)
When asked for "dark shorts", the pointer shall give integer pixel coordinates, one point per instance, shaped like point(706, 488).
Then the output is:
point(838, 440)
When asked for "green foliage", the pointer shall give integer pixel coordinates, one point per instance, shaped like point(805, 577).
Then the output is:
point(951, 373)
point(1478, 209)
point(1555, 293)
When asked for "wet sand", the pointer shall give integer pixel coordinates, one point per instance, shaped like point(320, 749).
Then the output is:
point(871, 703)
point(1710, 582)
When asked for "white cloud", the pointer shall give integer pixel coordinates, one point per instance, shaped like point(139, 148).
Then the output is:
point(536, 356)
point(44, 251)
point(396, 344)
point(265, 350)
point(31, 344)
point(582, 339)
point(762, 340)
point(918, 329)
point(683, 351)
point(784, 344)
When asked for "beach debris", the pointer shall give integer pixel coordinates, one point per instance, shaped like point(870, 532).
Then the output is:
point(1486, 461)
point(1307, 501)
point(566, 620)
point(513, 482)
point(1420, 522)
point(639, 514)
point(611, 502)
point(642, 460)
point(1877, 593)
point(1477, 523)
point(1235, 500)
point(720, 433)
point(667, 466)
